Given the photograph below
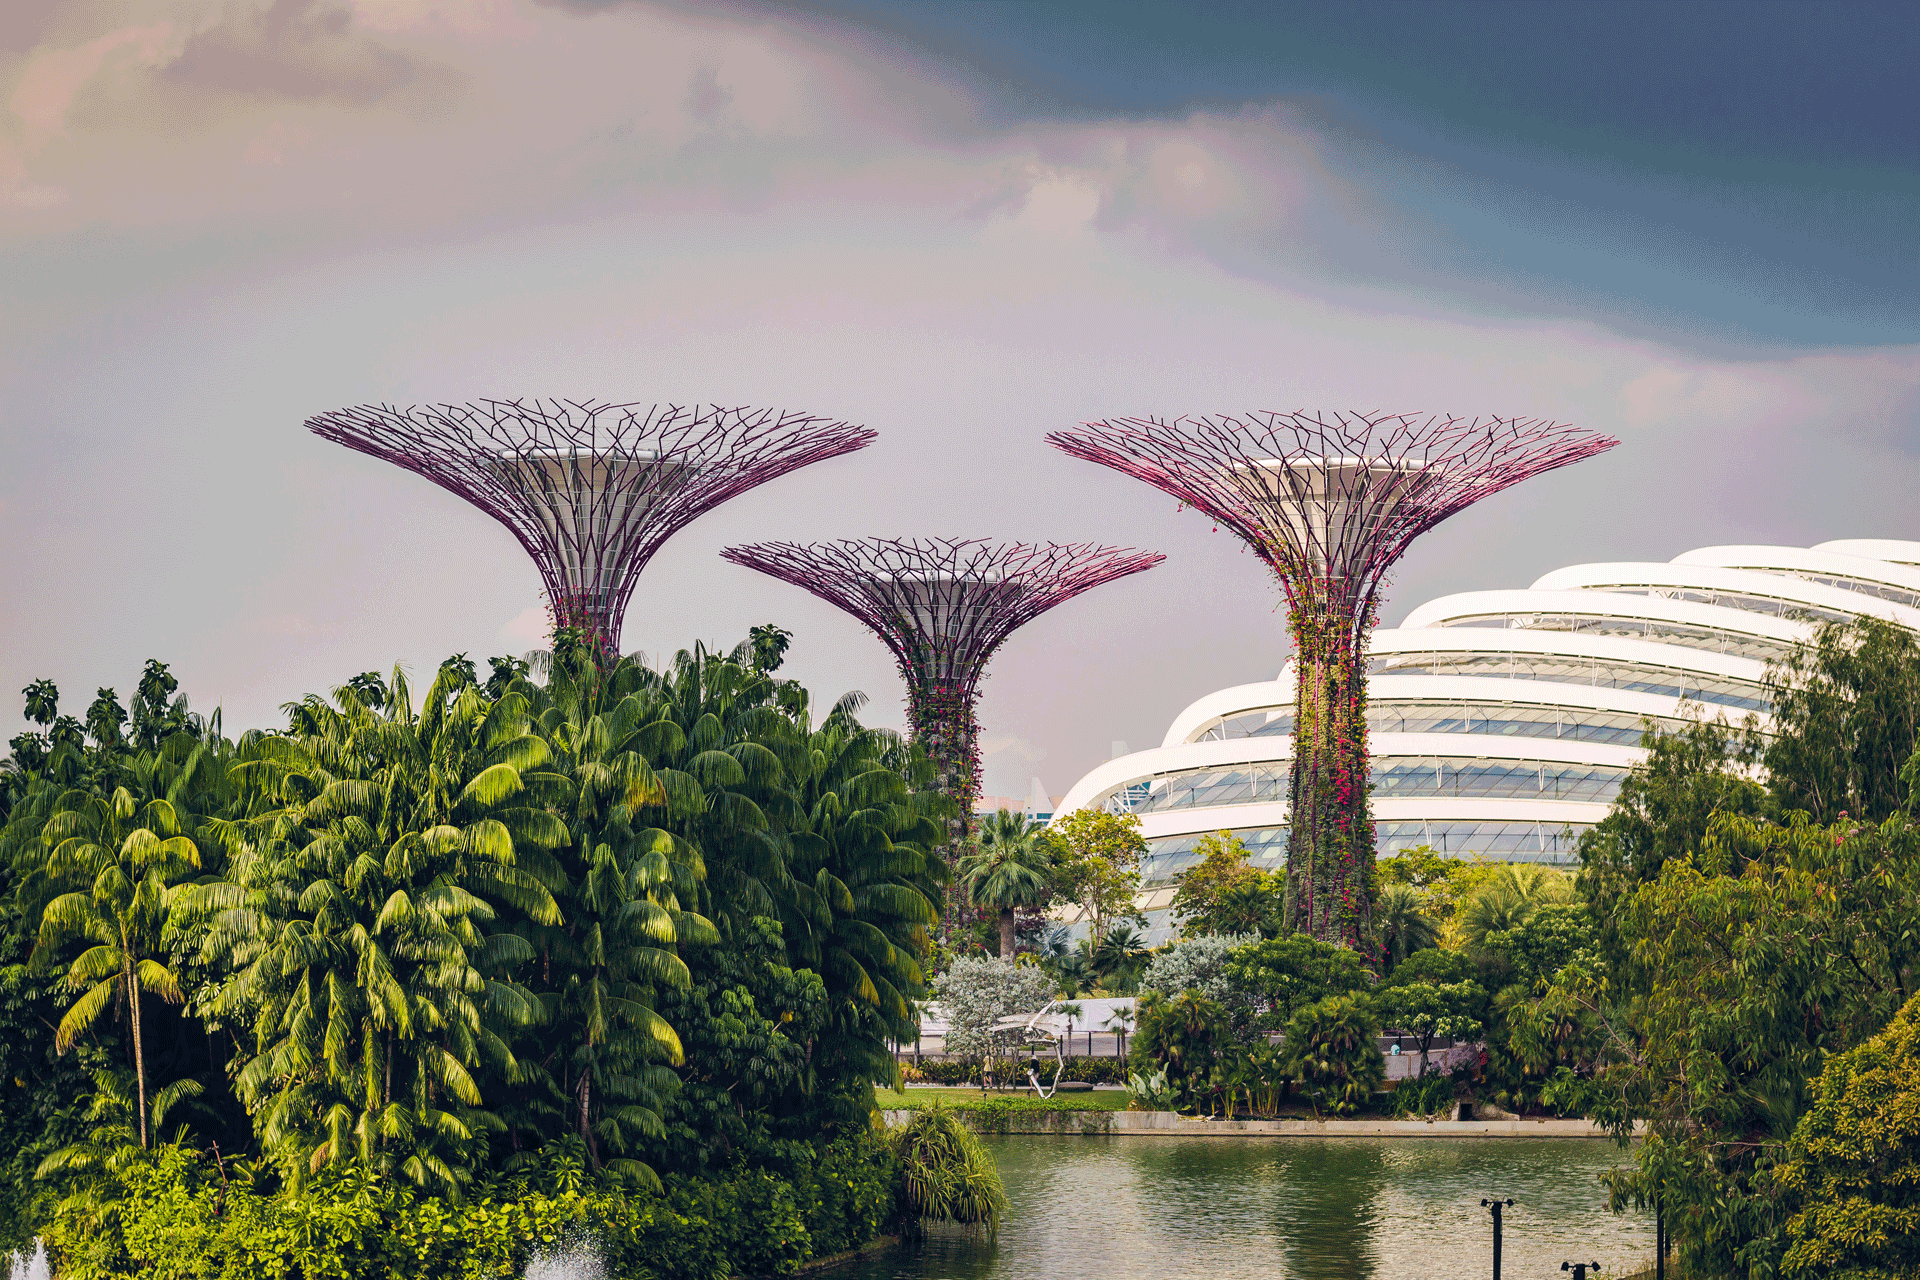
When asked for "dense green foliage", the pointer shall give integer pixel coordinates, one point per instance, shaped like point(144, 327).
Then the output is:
point(406, 960)
point(1846, 712)
point(1011, 866)
point(945, 1174)
point(1852, 1172)
point(184, 1218)
point(1223, 893)
point(1745, 936)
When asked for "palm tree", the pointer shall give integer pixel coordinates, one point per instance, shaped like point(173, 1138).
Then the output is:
point(134, 855)
point(1011, 869)
point(1119, 957)
point(370, 846)
point(620, 883)
point(866, 876)
point(1072, 970)
point(1401, 919)
point(1509, 897)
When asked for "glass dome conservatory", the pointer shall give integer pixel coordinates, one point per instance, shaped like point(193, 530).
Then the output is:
point(1503, 722)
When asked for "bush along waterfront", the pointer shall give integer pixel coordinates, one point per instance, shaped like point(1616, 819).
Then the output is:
point(424, 981)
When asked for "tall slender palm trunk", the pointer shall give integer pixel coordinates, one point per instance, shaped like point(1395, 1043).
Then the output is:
point(133, 1016)
point(586, 1098)
point(1006, 934)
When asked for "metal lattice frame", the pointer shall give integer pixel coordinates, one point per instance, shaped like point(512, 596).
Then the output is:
point(943, 606)
point(1330, 501)
point(591, 490)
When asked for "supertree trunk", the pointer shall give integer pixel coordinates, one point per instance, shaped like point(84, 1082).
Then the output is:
point(942, 721)
point(1330, 853)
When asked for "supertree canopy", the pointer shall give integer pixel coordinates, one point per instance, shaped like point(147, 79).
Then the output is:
point(1330, 501)
point(943, 606)
point(591, 490)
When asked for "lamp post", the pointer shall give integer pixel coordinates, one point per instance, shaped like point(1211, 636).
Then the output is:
point(1579, 1269)
point(1496, 1206)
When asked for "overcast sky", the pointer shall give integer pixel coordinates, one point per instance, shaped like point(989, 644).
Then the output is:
point(1695, 226)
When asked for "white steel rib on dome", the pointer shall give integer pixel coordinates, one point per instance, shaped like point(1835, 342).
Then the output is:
point(1503, 722)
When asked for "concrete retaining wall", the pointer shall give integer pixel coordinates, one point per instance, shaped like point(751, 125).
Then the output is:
point(1168, 1123)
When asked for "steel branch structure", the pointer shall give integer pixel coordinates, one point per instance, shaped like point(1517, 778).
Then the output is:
point(1330, 501)
point(943, 606)
point(591, 490)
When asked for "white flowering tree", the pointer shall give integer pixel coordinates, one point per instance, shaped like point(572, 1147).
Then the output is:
point(1195, 964)
point(978, 991)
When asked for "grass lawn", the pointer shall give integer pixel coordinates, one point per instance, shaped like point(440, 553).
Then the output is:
point(973, 1099)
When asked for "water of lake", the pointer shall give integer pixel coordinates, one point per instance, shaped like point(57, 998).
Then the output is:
point(1151, 1208)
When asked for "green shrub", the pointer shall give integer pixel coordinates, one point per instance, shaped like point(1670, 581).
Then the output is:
point(1331, 1049)
point(1181, 1037)
point(1150, 1092)
point(948, 1071)
point(1422, 1097)
point(957, 1072)
point(945, 1174)
point(178, 1219)
point(1852, 1173)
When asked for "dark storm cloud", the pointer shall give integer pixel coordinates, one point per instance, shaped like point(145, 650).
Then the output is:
point(1703, 171)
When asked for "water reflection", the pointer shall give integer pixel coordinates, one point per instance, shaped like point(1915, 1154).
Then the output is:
point(1282, 1209)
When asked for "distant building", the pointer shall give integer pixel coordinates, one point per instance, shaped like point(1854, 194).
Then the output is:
point(1035, 804)
point(1503, 722)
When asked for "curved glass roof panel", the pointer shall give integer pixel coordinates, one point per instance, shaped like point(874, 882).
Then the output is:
point(1746, 602)
point(1501, 719)
point(1639, 677)
point(1739, 644)
point(1844, 582)
point(1392, 776)
point(1396, 776)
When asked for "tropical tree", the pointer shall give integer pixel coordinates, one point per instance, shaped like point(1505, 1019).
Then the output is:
point(1120, 958)
point(1183, 1037)
point(977, 991)
point(603, 1051)
point(1193, 964)
point(372, 850)
point(1846, 719)
point(1508, 897)
point(1687, 777)
point(1331, 1047)
point(825, 830)
point(1401, 920)
point(1428, 1011)
point(1098, 860)
point(1010, 868)
point(1072, 970)
point(1853, 1160)
point(867, 884)
point(1223, 893)
point(1287, 974)
point(135, 857)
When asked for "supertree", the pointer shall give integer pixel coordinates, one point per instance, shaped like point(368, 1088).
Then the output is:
point(591, 490)
point(1330, 501)
point(943, 606)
